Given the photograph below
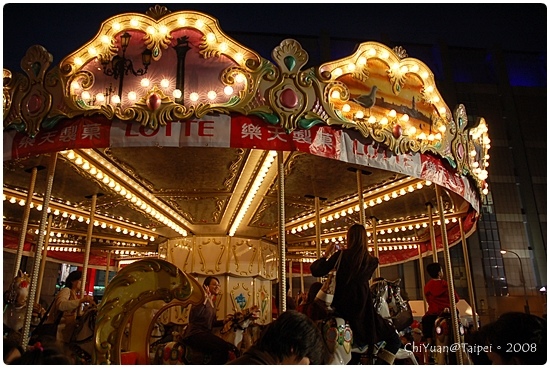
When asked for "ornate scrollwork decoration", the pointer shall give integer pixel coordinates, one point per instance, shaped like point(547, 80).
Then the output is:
point(29, 100)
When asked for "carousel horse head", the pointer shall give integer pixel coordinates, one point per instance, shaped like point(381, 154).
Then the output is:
point(338, 337)
point(236, 324)
point(444, 336)
point(15, 300)
point(233, 330)
point(389, 303)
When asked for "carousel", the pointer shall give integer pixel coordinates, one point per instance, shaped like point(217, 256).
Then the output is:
point(166, 151)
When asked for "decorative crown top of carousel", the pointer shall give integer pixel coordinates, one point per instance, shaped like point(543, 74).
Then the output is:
point(189, 68)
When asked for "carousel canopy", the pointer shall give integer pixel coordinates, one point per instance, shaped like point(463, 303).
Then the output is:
point(163, 127)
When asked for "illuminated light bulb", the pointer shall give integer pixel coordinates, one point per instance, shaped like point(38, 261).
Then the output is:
point(71, 155)
point(386, 197)
point(428, 183)
point(371, 203)
point(116, 99)
point(414, 68)
point(105, 39)
point(78, 62)
point(132, 96)
point(384, 121)
point(402, 191)
point(228, 90)
point(324, 220)
point(346, 108)
point(337, 72)
point(78, 160)
point(239, 57)
point(335, 94)
point(165, 83)
point(73, 217)
point(145, 82)
point(485, 191)
point(96, 223)
point(410, 189)
point(151, 30)
point(425, 225)
point(436, 99)
point(181, 21)
point(351, 67)
point(412, 130)
point(390, 231)
point(419, 185)
point(392, 114)
point(359, 114)
point(86, 165)
point(378, 200)
point(336, 215)
point(85, 95)
point(330, 218)
point(447, 221)
point(223, 47)
point(80, 219)
point(404, 69)
point(22, 202)
point(372, 119)
point(75, 85)
point(394, 195)
point(424, 75)
point(240, 78)
point(163, 29)
point(431, 137)
point(100, 97)
point(486, 164)
point(405, 117)
point(212, 95)
point(362, 60)
point(429, 89)
point(306, 226)
point(106, 179)
point(134, 22)
point(56, 212)
point(199, 23)
point(442, 111)
point(177, 93)
point(116, 26)
point(194, 96)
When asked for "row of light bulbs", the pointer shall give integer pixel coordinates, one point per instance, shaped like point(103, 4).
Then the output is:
point(268, 162)
point(384, 248)
point(212, 96)
point(355, 208)
point(112, 183)
point(82, 250)
point(79, 218)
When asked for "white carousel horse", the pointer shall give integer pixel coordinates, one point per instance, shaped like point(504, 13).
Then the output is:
point(389, 303)
point(444, 338)
point(82, 338)
point(15, 303)
point(233, 330)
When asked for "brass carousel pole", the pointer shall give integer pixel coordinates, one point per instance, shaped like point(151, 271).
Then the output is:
point(375, 244)
point(25, 223)
point(422, 276)
point(43, 260)
point(39, 244)
point(290, 276)
point(360, 198)
point(432, 233)
point(88, 246)
point(448, 272)
point(318, 228)
point(282, 238)
point(107, 268)
point(468, 274)
point(302, 276)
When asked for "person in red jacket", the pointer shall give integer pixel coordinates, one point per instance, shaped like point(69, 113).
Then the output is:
point(437, 296)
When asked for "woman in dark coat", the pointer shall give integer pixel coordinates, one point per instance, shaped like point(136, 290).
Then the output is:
point(352, 297)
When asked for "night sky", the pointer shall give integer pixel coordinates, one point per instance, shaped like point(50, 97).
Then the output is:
point(63, 28)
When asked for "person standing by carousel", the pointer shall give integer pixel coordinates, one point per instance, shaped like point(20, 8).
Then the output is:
point(352, 297)
point(68, 302)
point(202, 318)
